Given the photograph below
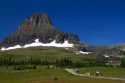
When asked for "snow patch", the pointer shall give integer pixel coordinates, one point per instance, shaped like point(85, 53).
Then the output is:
point(77, 53)
point(66, 48)
point(123, 49)
point(106, 56)
point(11, 48)
point(66, 44)
point(81, 52)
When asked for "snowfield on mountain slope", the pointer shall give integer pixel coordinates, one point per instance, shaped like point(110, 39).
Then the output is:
point(66, 44)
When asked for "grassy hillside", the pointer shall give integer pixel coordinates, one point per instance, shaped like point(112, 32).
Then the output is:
point(51, 55)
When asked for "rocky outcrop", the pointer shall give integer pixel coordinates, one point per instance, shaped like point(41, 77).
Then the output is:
point(38, 20)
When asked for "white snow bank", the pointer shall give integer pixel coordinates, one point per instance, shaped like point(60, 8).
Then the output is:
point(11, 48)
point(85, 52)
point(77, 53)
point(81, 52)
point(106, 56)
point(66, 44)
point(123, 49)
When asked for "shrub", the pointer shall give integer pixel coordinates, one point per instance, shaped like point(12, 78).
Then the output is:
point(55, 78)
point(34, 66)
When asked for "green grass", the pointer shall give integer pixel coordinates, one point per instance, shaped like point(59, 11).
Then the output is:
point(45, 75)
point(50, 54)
point(106, 71)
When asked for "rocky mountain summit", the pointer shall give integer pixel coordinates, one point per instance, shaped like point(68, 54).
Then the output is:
point(38, 20)
point(38, 26)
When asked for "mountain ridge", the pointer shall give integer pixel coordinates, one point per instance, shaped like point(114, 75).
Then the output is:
point(38, 26)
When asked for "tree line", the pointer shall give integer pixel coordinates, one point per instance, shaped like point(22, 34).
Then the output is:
point(63, 62)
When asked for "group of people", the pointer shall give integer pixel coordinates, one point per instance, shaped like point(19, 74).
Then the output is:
point(90, 74)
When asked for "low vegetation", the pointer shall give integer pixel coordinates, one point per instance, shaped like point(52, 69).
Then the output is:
point(46, 75)
point(105, 71)
point(59, 58)
point(47, 65)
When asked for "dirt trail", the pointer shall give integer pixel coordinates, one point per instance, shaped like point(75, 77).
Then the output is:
point(72, 71)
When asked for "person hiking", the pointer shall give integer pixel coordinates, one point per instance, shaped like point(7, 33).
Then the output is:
point(90, 74)
point(97, 73)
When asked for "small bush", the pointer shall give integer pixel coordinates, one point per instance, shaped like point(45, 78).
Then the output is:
point(34, 66)
point(55, 78)
point(24, 67)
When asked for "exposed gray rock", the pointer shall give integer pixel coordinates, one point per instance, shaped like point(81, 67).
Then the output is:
point(38, 26)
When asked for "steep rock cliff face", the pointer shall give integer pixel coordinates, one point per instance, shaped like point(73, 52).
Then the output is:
point(38, 26)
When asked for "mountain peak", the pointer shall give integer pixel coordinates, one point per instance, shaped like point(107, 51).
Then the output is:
point(38, 26)
point(37, 20)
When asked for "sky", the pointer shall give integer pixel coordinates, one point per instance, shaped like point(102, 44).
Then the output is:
point(97, 22)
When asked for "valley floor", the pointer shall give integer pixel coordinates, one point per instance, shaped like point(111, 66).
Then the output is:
point(87, 74)
point(44, 74)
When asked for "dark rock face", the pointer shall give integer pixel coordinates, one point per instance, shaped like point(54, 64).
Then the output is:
point(40, 20)
point(38, 26)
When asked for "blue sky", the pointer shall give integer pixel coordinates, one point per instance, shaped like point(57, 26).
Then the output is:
point(97, 22)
